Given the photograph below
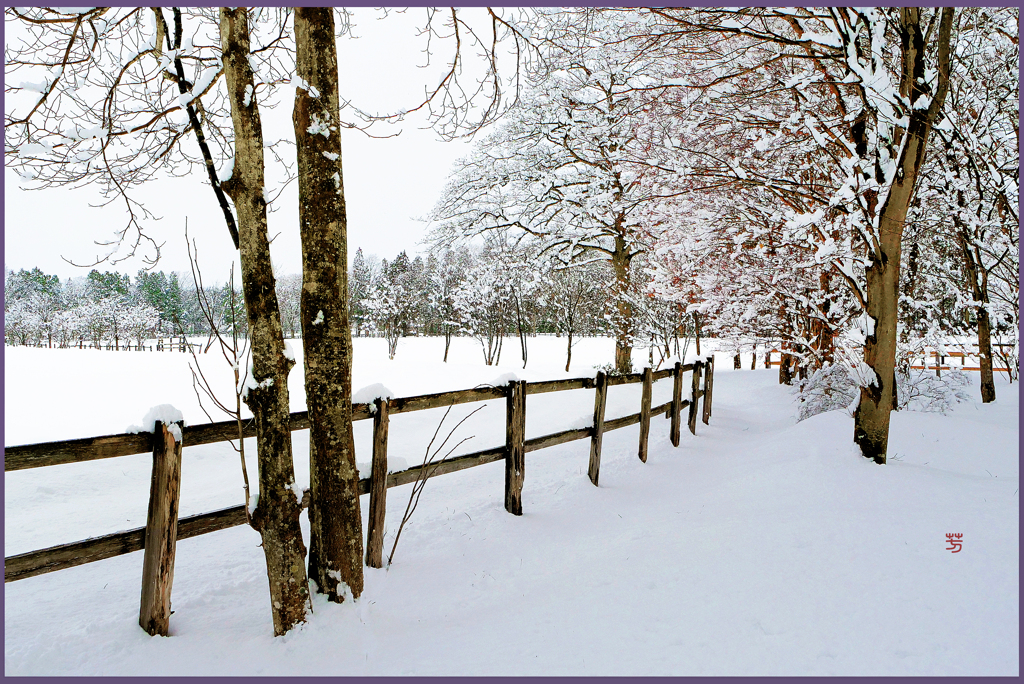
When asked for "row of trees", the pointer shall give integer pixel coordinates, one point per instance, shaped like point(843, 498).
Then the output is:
point(107, 307)
point(841, 179)
point(844, 181)
point(486, 293)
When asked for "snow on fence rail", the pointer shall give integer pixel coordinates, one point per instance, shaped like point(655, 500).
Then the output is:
point(163, 527)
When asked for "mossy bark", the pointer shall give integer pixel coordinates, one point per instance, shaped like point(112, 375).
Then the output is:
point(335, 523)
point(277, 514)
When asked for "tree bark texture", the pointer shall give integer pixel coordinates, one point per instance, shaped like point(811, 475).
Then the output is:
point(335, 522)
point(623, 309)
point(978, 277)
point(871, 419)
point(786, 364)
point(161, 533)
point(277, 514)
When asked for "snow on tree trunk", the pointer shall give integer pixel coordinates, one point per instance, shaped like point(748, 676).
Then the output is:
point(877, 397)
point(336, 535)
point(277, 513)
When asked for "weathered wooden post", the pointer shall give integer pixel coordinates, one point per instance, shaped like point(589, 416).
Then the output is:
point(515, 451)
point(677, 403)
point(378, 486)
point(600, 399)
point(709, 382)
point(161, 531)
point(645, 412)
point(694, 395)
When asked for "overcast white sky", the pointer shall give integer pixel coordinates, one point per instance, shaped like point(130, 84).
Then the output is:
point(389, 183)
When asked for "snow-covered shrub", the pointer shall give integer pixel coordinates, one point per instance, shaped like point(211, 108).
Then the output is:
point(827, 389)
point(923, 391)
point(608, 369)
point(832, 388)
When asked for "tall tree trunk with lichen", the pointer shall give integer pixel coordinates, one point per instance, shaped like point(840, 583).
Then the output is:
point(335, 523)
point(871, 419)
point(277, 514)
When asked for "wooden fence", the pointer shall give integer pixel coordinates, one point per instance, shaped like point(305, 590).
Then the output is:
point(164, 527)
point(931, 360)
point(158, 345)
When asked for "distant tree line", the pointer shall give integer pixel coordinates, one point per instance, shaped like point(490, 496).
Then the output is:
point(106, 307)
point(503, 289)
point(487, 293)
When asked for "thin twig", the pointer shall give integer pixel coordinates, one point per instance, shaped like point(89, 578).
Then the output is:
point(426, 472)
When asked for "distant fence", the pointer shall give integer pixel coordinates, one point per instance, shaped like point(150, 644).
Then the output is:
point(163, 527)
point(931, 360)
point(178, 344)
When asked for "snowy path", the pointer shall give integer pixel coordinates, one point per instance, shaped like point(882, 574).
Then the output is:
point(760, 546)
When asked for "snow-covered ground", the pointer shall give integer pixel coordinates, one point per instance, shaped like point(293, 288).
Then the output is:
point(762, 546)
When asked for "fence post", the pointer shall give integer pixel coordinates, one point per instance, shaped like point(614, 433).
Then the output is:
point(161, 532)
point(600, 399)
point(694, 393)
point(378, 486)
point(709, 383)
point(645, 412)
point(677, 403)
point(515, 451)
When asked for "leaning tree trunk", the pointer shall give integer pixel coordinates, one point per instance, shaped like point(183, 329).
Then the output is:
point(871, 419)
point(335, 522)
point(277, 513)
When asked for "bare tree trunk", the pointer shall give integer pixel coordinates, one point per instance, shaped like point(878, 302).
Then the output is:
point(277, 513)
point(335, 522)
point(785, 364)
point(978, 278)
point(521, 328)
point(988, 385)
point(696, 331)
point(568, 352)
point(623, 309)
point(871, 420)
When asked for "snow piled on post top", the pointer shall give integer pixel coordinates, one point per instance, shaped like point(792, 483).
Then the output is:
point(166, 414)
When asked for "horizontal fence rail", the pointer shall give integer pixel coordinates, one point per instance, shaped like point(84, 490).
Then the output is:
point(110, 446)
point(69, 555)
point(932, 360)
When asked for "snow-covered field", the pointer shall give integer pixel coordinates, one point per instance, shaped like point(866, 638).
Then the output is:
point(762, 546)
